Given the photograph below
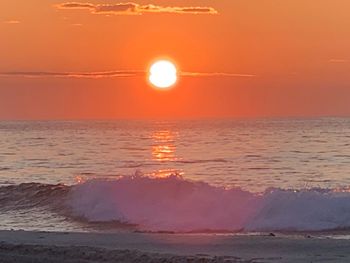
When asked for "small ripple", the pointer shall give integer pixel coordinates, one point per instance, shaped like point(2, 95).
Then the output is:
point(258, 168)
point(252, 156)
point(36, 160)
point(133, 148)
point(342, 156)
point(202, 161)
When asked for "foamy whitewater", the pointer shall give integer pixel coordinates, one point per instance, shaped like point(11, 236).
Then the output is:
point(203, 176)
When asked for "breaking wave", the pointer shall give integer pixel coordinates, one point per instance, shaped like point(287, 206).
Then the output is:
point(175, 204)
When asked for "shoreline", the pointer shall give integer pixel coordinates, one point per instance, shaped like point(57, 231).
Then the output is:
point(27, 246)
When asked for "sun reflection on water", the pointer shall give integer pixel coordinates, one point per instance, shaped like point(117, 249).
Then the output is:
point(165, 173)
point(164, 147)
point(164, 151)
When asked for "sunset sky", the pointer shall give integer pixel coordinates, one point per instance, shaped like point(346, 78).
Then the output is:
point(236, 58)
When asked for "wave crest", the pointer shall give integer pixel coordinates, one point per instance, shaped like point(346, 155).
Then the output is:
point(163, 203)
point(29, 195)
point(175, 204)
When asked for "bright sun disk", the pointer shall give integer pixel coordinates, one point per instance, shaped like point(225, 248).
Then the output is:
point(163, 74)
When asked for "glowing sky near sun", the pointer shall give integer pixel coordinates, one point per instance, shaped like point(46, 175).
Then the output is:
point(243, 58)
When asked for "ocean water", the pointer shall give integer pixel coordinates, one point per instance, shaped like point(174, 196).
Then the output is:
point(198, 175)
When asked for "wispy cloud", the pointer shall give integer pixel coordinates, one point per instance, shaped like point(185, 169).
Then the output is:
point(113, 74)
point(130, 8)
point(12, 22)
point(216, 74)
point(95, 75)
point(337, 60)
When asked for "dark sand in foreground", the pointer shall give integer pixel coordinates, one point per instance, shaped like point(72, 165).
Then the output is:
point(23, 246)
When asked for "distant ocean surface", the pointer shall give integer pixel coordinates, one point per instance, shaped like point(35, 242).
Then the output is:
point(200, 175)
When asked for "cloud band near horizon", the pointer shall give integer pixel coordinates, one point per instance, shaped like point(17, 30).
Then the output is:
point(130, 8)
point(112, 74)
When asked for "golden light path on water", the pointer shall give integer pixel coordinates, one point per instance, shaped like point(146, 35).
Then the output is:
point(164, 151)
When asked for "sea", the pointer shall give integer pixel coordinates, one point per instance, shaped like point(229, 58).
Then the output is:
point(188, 176)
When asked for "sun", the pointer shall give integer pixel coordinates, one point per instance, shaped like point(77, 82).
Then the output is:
point(163, 74)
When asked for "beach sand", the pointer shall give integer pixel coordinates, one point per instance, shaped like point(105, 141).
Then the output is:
point(25, 246)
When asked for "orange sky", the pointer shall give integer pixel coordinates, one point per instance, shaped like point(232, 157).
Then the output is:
point(297, 53)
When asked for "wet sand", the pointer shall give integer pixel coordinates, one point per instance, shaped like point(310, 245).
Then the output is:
point(25, 247)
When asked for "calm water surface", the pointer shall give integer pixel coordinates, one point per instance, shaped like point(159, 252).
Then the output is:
point(252, 154)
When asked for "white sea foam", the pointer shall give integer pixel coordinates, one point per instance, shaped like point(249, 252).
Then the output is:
point(176, 204)
point(313, 209)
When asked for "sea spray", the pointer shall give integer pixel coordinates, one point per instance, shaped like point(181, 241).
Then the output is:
point(176, 204)
point(170, 203)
